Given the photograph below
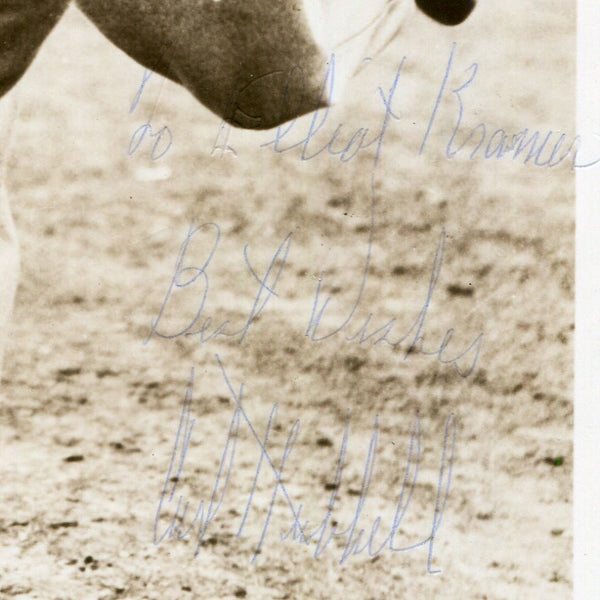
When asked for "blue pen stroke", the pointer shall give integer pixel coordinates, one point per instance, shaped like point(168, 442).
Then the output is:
point(377, 537)
point(161, 139)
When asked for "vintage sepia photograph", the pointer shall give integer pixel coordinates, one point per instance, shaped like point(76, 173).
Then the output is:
point(287, 299)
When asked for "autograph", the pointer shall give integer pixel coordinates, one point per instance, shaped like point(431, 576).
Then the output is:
point(359, 537)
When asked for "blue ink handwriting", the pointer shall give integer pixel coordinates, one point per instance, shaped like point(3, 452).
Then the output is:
point(163, 138)
point(345, 149)
point(221, 143)
point(198, 283)
point(359, 538)
point(414, 337)
point(484, 141)
point(195, 280)
point(541, 149)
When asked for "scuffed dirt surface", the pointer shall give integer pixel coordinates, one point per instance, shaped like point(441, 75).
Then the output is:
point(90, 412)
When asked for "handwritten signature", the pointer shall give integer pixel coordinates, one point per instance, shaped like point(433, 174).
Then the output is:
point(360, 538)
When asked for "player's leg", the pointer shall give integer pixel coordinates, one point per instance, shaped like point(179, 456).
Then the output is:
point(9, 248)
point(254, 63)
point(24, 24)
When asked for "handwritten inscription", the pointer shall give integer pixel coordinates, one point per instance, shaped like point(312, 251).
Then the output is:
point(160, 139)
point(413, 339)
point(485, 141)
point(195, 280)
point(327, 528)
point(340, 144)
point(221, 145)
point(364, 534)
point(199, 276)
point(541, 149)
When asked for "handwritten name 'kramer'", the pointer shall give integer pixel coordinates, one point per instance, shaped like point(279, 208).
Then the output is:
point(371, 538)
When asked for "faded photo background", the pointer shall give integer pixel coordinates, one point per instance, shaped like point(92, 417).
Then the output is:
point(478, 253)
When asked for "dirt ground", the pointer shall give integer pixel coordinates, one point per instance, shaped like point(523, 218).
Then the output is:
point(440, 372)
